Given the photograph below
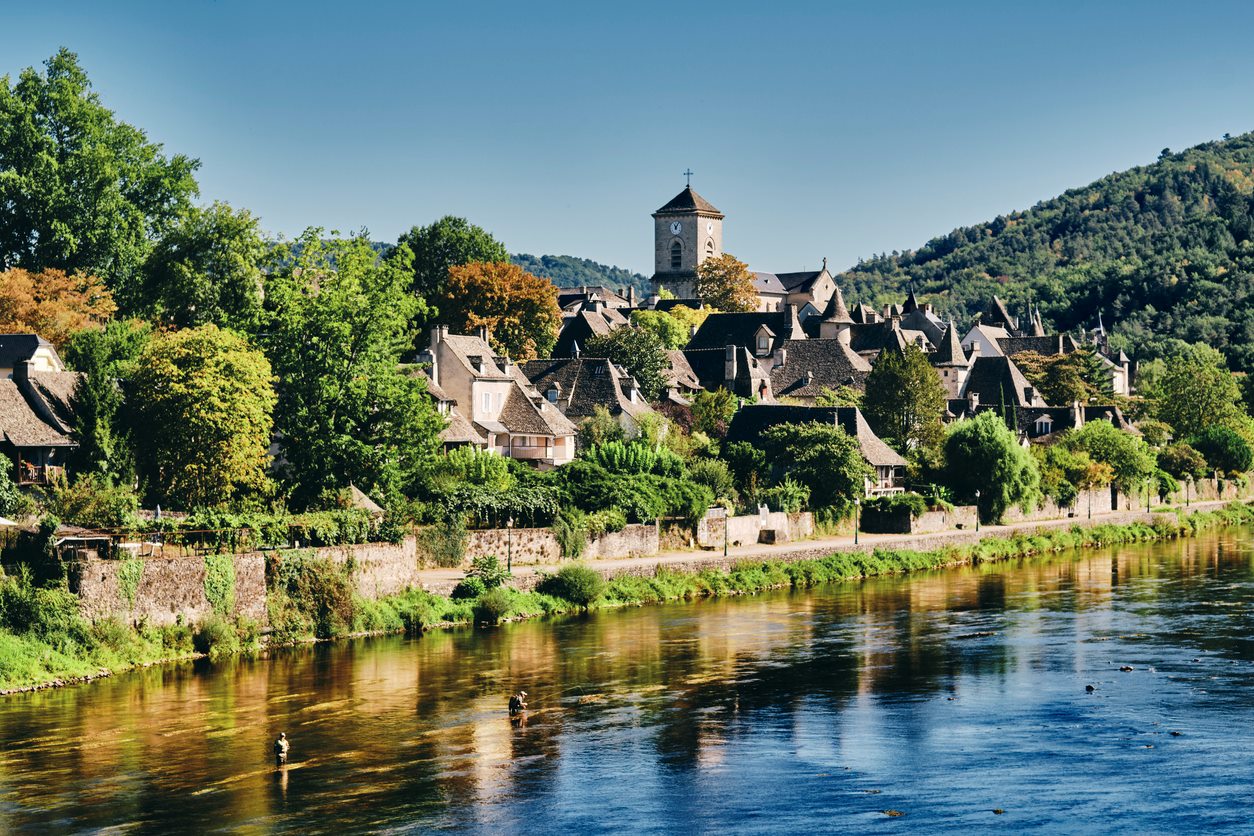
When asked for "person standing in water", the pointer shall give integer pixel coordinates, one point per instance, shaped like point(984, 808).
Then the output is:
point(518, 703)
point(280, 749)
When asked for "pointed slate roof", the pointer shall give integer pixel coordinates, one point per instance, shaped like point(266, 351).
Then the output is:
point(997, 314)
point(949, 352)
point(687, 202)
point(810, 366)
point(912, 304)
point(836, 310)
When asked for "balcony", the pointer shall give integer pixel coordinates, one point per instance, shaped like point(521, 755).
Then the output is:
point(38, 474)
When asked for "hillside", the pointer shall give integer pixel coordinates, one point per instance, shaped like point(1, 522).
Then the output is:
point(1162, 250)
point(569, 271)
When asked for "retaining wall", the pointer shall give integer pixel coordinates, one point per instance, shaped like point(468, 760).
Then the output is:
point(746, 529)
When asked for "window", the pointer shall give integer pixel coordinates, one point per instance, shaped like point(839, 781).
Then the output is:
point(1044, 425)
point(709, 248)
point(487, 401)
point(551, 395)
point(764, 343)
point(677, 255)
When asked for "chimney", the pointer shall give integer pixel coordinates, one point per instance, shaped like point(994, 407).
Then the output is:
point(729, 366)
point(484, 333)
point(631, 296)
point(973, 401)
point(809, 377)
point(692, 331)
point(781, 357)
point(21, 372)
point(845, 333)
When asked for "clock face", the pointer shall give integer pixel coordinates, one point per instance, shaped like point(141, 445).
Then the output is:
point(676, 226)
point(709, 227)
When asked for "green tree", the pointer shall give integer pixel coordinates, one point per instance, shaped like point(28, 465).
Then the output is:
point(1224, 450)
point(1129, 457)
point(983, 454)
point(1196, 390)
point(725, 283)
point(449, 242)
point(336, 325)
point(599, 428)
point(670, 331)
point(106, 358)
point(713, 410)
point(640, 352)
point(905, 400)
point(204, 399)
point(1065, 378)
point(1182, 461)
point(822, 457)
point(81, 191)
point(207, 268)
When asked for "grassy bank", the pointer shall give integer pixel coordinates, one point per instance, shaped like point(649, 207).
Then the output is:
point(45, 641)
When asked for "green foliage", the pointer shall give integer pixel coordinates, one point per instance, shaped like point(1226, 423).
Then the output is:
point(904, 399)
point(449, 242)
point(983, 454)
point(1167, 246)
point(642, 497)
point(309, 597)
point(634, 457)
point(130, 573)
point(13, 503)
point(80, 190)
point(599, 428)
point(638, 351)
point(823, 457)
point(788, 496)
point(670, 332)
point(488, 570)
point(1194, 390)
point(1156, 433)
point(747, 464)
point(570, 529)
point(204, 400)
point(105, 357)
point(713, 410)
point(1224, 450)
point(715, 475)
point(1182, 461)
point(1064, 471)
point(1065, 378)
point(1128, 456)
point(493, 605)
point(840, 396)
point(471, 465)
point(444, 543)
point(581, 585)
point(336, 325)
point(910, 502)
point(469, 588)
point(93, 501)
point(569, 271)
point(220, 583)
point(206, 268)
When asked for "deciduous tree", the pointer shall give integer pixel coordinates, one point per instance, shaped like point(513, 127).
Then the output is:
point(823, 457)
point(205, 400)
point(905, 400)
point(1129, 457)
point(106, 357)
point(725, 283)
point(1195, 390)
point(52, 304)
point(983, 454)
point(640, 352)
point(81, 191)
point(518, 308)
point(449, 242)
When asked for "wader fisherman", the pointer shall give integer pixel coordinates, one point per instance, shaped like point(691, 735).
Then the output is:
point(280, 749)
point(518, 703)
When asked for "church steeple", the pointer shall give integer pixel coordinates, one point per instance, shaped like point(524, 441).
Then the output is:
point(687, 230)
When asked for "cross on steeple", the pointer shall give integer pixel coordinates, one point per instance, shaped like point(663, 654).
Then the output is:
point(688, 176)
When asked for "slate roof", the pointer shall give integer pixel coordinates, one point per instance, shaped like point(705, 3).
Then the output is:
point(1048, 346)
point(949, 351)
point(751, 421)
point(996, 314)
point(997, 380)
point(707, 365)
point(584, 325)
point(461, 431)
point(14, 348)
point(55, 393)
point(864, 314)
point(810, 366)
point(874, 337)
point(22, 426)
point(688, 201)
point(836, 310)
point(679, 373)
point(768, 283)
point(924, 320)
point(467, 348)
point(799, 282)
point(724, 329)
point(671, 304)
point(521, 414)
point(583, 384)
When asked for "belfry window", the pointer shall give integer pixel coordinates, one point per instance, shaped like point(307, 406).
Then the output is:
point(709, 248)
point(677, 255)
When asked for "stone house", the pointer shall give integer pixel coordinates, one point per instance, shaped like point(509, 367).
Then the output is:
point(36, 408)
point(578, 385)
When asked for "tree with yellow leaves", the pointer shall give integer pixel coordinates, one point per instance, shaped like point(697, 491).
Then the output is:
point(726, 284)
point(519, 309)
point(52, 304)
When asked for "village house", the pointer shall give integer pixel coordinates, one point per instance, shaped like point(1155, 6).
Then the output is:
point(497, 400)
point(591, 318)
point(578, 385)
point(36, 408)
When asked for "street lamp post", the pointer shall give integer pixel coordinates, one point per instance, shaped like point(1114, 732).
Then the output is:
point(977, 509)
point(726, 520)
point(1148, 483)
point(1188, 485)
point(509, 546)
point(857, 516)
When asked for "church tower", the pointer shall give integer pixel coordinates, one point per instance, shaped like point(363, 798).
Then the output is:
point(686, 231)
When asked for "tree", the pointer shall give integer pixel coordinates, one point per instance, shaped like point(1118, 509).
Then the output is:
point(105, 357)
point(336, 325)
point(205, 401)
point(81, 191)
point(207, 268)
point(449, 242)
point(1224, 450)
point(599, 428)
point(726, 284)
point(713, 410)
point(904, 399)
point(518, 308)
point(52, 304)
point(1182, 461)
point(983, 454)
point(1064, 378)
point(1196, 390)
point(840, 396)
point(674, 327)
point(822, 457)
point(640, 352)
point(1130, 458)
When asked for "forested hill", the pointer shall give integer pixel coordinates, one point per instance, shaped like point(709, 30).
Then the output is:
point(1162, 250)
point(569, 271)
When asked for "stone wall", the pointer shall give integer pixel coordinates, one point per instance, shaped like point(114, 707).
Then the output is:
point(746, 529)
point(169, 587)
point(962, 516)
point(529, 546)
point(379, 568)
point(632, 541)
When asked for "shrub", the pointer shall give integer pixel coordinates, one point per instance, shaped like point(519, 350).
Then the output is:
point(93, 502)
point(444, 543)
point(895, 503)
point(468, 588)
point(788, 496)
point(715, 475)
point(601, 522)
point(219, 583)
point(578, 584)
point(216, 637)
point(1182, 461)
point(309, 596)
point(571, 531)
point(493, 605)
point(1224, 450)
point(488, 570)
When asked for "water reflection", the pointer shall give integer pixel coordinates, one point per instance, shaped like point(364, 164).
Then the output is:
point(941, 695)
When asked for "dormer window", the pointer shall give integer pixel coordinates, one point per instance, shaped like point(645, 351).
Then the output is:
point(1044, 425)
point(764, 343)
point(551, 395)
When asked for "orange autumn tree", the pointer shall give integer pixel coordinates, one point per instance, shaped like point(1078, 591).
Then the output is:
point(519, 309)
point(725, 283)
point(52, 304)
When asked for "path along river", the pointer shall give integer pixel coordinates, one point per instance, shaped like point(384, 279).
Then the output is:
point(942, 696)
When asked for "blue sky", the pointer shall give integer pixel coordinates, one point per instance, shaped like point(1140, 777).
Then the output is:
point(820, 129)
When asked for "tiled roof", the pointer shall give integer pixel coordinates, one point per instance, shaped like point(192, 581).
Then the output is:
point(22, 426)
point(707, 365)
point(751, 421)
point(768, 283)
point(679, 373)
point(924, 320)
point(997, 380)
point(521, 415)
point(467, 348)
point(583, 384)
point(461, 431)
point(810, 366)
point(836, 310)
point(724, 329)
point(56, 392)
point(864, 314)
point(949, 351)
point(670, 304)
point(688, 201)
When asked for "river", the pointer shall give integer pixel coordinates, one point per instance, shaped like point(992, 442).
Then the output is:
point(942, 696)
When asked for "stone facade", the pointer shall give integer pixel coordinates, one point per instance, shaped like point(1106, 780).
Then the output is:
point(749, 528)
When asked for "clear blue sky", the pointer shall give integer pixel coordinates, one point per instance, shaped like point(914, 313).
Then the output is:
point(820, 129)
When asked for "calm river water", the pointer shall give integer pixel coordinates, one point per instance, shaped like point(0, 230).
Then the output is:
point(942, 696)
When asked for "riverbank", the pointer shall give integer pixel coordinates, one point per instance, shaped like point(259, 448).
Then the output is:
point(58, 646)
